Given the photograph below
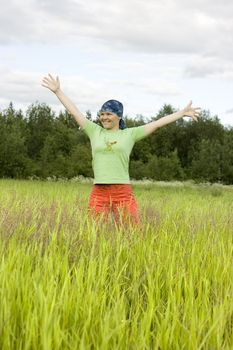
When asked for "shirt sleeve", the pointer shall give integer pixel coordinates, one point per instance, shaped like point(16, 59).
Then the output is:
point(138, 133)
point(90, 128)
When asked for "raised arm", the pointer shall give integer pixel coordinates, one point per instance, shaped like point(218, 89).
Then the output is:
point(54, 85)
point(188, 111)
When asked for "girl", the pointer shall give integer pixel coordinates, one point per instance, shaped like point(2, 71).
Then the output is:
point(111, 147)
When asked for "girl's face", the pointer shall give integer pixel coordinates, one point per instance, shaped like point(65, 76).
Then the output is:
point(109, 120)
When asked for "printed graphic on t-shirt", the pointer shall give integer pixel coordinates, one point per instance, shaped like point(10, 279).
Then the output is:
point(109, 145)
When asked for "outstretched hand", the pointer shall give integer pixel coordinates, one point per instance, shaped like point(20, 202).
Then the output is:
point(50, 83)
point(189, 111)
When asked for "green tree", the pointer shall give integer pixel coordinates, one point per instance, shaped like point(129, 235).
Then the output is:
point(13, 151)
point(40, 124)
point(206, 164)
point(44, 144)
point(137, 170)
point(191, 134)
point(162, 141)
point(227, 157)
point(80, 161)
point(165, 168)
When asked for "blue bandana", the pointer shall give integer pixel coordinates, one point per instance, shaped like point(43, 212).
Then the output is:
point(115, 107)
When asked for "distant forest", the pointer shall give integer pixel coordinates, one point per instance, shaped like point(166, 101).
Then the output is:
point(42, 144)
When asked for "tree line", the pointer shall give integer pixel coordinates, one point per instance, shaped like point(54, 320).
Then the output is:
point(41, 143)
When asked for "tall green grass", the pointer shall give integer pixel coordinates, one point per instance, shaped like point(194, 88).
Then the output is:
point(67, 282)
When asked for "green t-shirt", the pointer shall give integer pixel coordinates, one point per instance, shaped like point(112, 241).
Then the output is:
point(111, 151)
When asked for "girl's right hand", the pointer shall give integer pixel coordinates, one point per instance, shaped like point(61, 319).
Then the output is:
point(51, 83)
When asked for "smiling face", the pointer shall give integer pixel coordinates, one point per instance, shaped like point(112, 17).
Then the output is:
point(110, 121)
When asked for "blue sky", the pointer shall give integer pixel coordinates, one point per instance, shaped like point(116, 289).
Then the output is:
point(143, 53)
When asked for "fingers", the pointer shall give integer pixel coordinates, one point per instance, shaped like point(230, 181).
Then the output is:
point(51, 76)
point(189, 105)
point(196, 114)
point(44, 85)
point(193, 112)
point(49, 81)
point(45, 80)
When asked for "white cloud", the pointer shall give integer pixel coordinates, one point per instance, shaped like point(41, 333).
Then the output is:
point(152, 26)
point(201, 67)
point(144, 53)
point(26, 87)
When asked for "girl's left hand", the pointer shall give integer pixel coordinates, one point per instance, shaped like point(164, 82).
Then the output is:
point(189, 111)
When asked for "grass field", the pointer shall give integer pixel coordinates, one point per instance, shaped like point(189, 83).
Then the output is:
point(69, 283)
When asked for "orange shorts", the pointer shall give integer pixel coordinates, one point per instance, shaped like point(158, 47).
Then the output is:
point(116, 198)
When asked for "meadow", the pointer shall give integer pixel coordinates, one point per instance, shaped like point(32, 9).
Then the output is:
point(68, 282)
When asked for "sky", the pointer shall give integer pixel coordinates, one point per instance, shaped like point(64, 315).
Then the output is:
point(144, 53)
